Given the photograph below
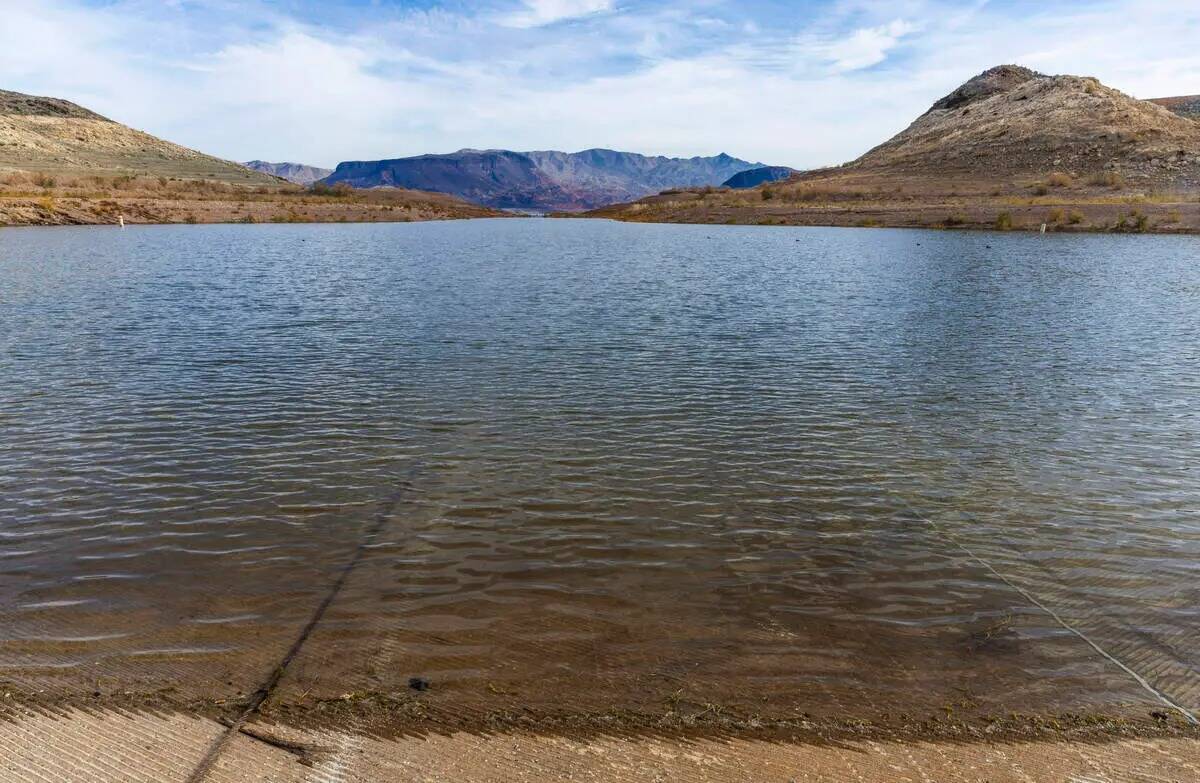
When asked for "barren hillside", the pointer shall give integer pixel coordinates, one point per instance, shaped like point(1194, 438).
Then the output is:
point(1011, 121)
point(59, 138)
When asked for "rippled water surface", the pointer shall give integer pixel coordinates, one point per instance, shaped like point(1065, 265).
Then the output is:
point(584, 466)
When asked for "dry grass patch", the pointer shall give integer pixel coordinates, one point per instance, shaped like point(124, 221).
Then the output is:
point(1107, 179)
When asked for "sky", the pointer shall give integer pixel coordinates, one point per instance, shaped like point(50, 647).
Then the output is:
point(802, 83)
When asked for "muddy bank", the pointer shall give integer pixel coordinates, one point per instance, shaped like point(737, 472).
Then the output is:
point(109, 211)
point(410, 713)
point(1132, 216)
point(87, 747)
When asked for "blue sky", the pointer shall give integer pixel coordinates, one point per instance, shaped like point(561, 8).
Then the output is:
point(797, 83)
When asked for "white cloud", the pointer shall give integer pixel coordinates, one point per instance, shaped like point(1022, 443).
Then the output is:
point(866, 46)
point(537, 13)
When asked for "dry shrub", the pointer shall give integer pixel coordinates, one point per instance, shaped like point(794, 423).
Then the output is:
point(1136, 222)
point(1060, 180)
point(338, 190)
point(1107, 179)
point(16, 179)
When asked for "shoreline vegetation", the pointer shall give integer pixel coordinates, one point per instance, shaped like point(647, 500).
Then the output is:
point(39, 199)
point(1103, 204)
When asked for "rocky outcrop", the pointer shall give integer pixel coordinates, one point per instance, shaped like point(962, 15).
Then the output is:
point(16, 104)
point(991, 82)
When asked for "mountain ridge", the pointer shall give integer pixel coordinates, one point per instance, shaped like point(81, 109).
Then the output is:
point(541, 180)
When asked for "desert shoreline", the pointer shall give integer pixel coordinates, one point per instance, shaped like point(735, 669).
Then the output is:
point(1083, 217)
point(28, 213)
point(74, 211)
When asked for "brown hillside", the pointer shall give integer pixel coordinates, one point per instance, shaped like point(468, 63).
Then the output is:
point(57, 137)
point(1010, 121)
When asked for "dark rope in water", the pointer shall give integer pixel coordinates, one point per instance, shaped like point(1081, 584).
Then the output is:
point(264, 691)
point(1031, 598)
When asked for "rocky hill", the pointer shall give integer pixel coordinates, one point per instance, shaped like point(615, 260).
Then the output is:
point(752, 178)
point(541, 180)
point(297, 173)
point(1184, 105)
point(1012, 122)
point(56, 137)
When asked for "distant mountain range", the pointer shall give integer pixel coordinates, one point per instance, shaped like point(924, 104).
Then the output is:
point(292, 172)
point(541, 180)
point(752, 178)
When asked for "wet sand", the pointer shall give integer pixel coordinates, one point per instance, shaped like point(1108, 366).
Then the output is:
point(149, 748)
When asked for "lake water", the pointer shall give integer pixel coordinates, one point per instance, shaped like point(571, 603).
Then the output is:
point(580, 467)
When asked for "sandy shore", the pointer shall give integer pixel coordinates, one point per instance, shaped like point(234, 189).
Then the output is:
point(98, 746)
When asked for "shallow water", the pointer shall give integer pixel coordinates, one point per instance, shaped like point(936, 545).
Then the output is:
point(591, 466)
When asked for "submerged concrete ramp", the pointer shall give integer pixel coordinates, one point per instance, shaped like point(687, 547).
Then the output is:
point(112, 747)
